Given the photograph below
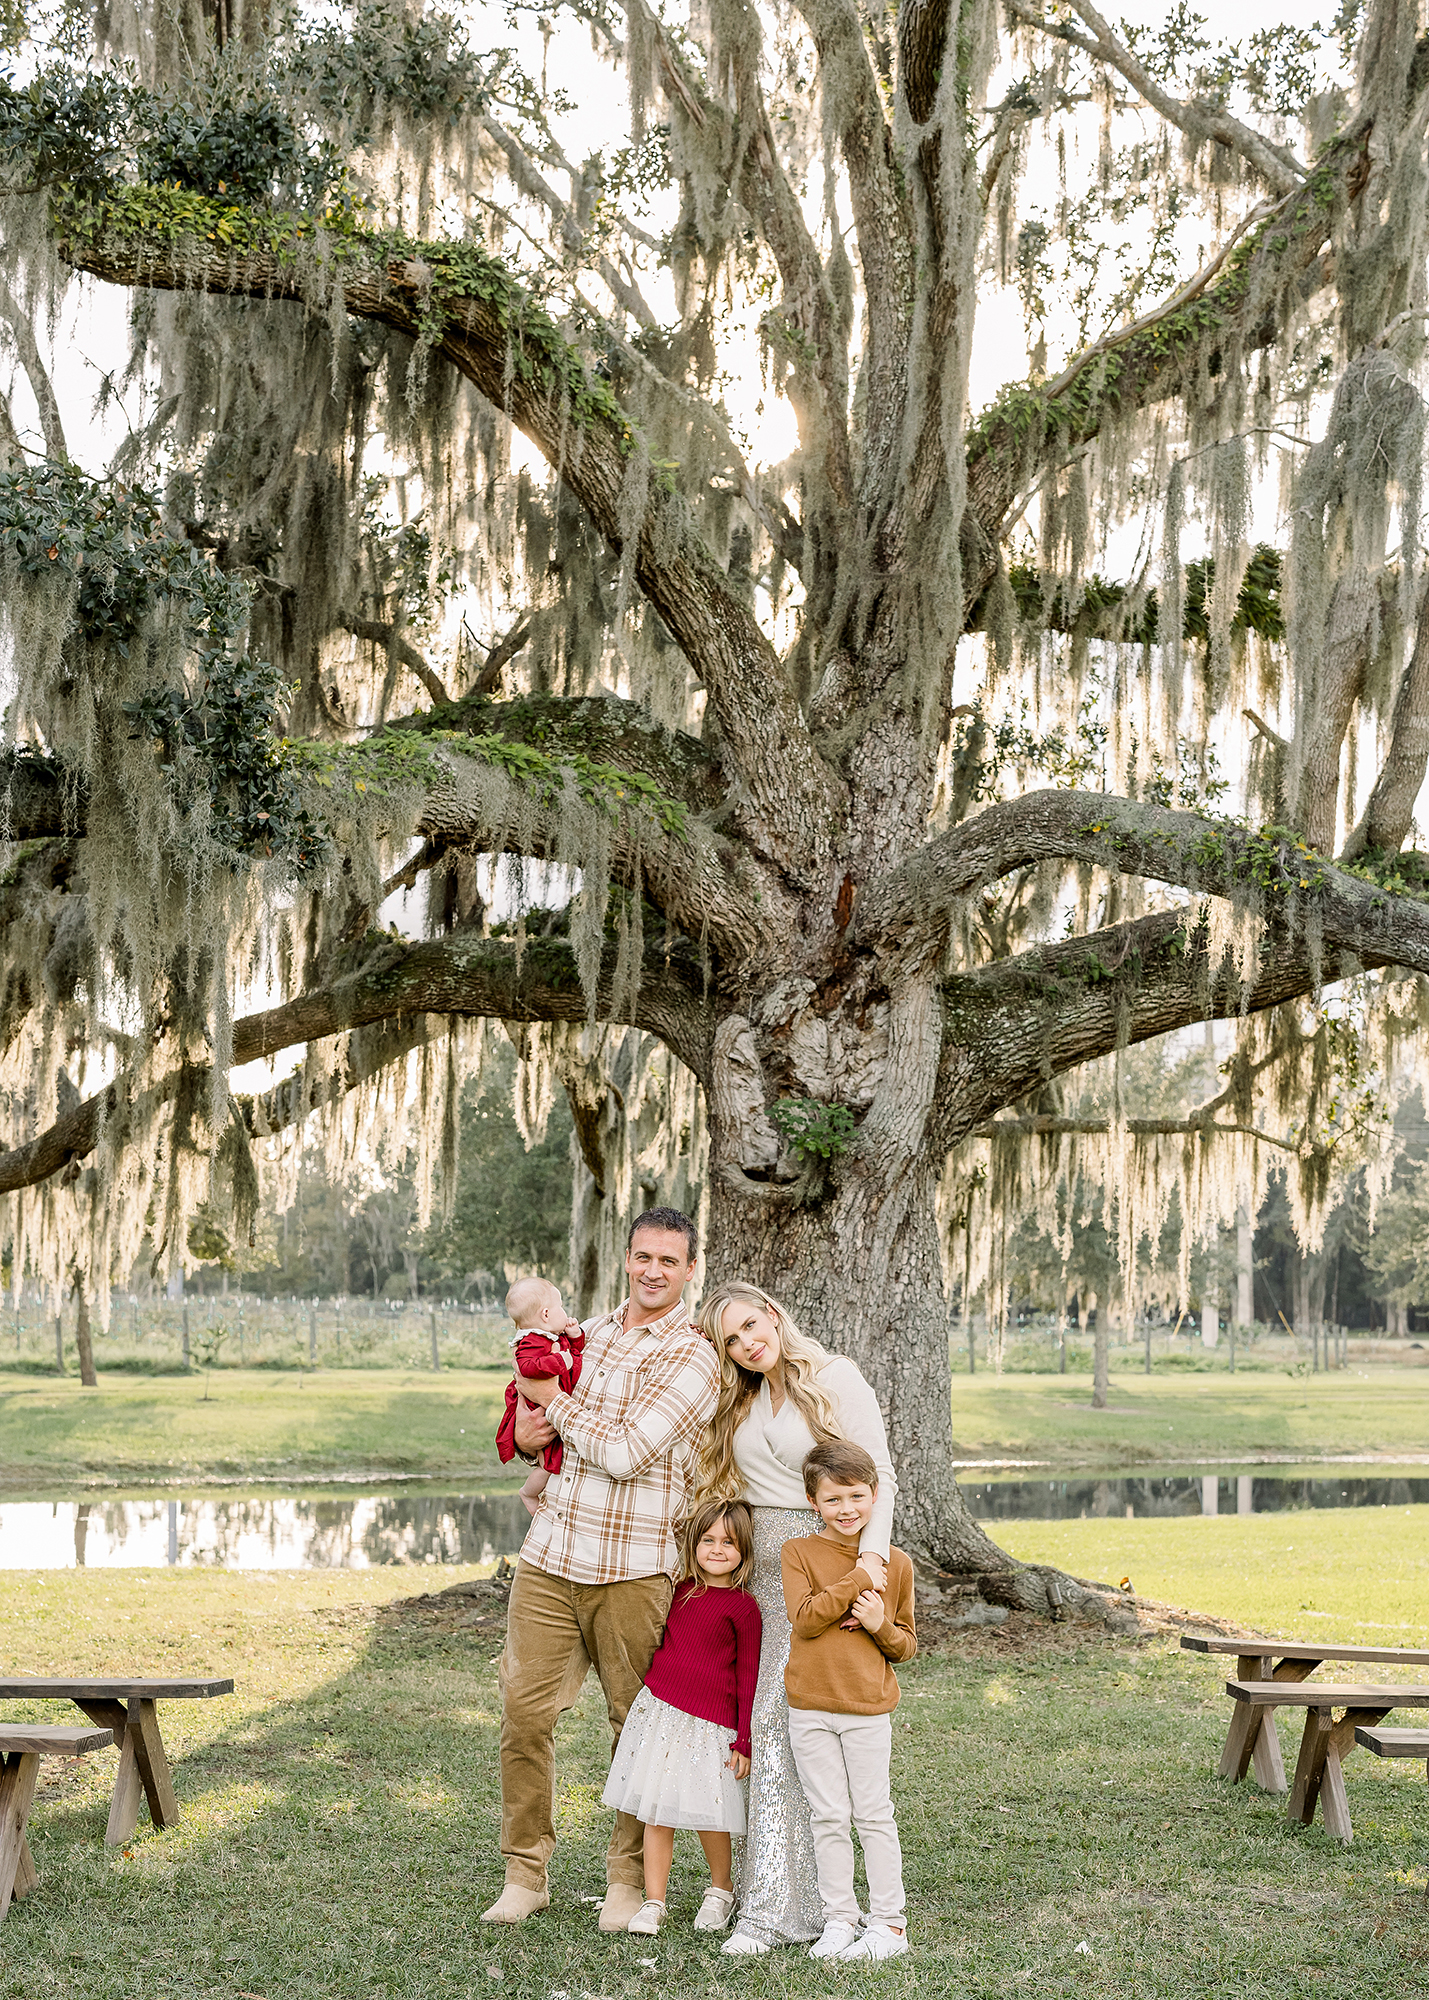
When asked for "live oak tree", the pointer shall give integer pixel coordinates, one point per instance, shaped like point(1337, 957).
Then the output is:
point(395, 352)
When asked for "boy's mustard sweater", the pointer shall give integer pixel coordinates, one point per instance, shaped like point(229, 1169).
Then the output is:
point(845, 1673)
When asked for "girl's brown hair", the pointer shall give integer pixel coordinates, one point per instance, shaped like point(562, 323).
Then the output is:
point(739, 1523)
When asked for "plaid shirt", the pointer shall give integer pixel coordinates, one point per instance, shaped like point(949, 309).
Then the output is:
point(630, 1430)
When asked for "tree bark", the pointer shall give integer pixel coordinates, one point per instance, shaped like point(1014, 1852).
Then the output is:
point(882, 1304)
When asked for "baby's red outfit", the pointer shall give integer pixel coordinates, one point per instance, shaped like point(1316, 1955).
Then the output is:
point(537, 1354)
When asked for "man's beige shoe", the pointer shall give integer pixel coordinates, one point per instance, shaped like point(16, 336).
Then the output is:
point(622, 1900)
point(515, 1904)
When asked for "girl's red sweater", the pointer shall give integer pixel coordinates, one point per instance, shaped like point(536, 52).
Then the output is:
point(708, 1661)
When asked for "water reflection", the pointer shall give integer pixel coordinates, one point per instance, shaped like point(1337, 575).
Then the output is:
point(374, 1530)
point(260, 1533)
point(1162, 1495)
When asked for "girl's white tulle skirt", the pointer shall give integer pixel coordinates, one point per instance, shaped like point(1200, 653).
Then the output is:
point(669, 1770)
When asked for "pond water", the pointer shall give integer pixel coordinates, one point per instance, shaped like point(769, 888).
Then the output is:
point(350, 1532)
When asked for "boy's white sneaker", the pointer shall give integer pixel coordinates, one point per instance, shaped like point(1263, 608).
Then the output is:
point(716, 1909)
point(837, 1938)
point(646, 1920)
point(742, 1945)
point(877, 1941)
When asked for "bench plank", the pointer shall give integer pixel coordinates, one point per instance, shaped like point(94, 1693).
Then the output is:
point(1394, 1742)
point(1314, 1649)
point(1327, 1694)
point(52, 1687)
point(45, 1739)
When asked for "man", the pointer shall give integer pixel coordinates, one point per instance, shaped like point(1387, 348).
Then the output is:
point(595, 1576)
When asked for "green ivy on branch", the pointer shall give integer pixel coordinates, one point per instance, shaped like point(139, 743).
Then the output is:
point(394, 757)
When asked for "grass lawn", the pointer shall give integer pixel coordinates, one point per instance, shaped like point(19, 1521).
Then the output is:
point(1187, 1419)
point(340, 1816)
point(256, 1425)
point(1359, 1574)
point(248, 1424)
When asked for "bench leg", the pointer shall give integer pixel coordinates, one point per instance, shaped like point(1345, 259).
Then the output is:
point(128, 1789)
point(1245, 1723)
point(1269, 1764)
point(18, 1775)
point(25, 1875)
point(1309, 1766)
point(1337, 1804)
point(152, 1762)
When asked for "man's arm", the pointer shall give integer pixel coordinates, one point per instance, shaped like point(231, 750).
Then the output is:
point(810, 1609)
point(669, 1410)
point(531, 1430)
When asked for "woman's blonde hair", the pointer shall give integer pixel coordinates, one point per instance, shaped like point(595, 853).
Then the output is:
point(802, 1359)
point(739, 1525)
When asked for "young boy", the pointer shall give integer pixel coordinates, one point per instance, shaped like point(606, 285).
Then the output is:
point(842, 1694)
point(547, 1343)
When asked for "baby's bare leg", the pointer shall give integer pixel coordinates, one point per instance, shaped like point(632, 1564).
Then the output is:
point(534, 1487)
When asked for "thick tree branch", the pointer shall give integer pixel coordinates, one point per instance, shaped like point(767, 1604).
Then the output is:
point(462, 974)
point(789, 797)
point(909, 911)
point(1047, 1127)
point(817, 356)
point(1389, 814)
point(22, 332)
point(1028, 430)
point(378, 633)
point(1010, 1028)
point(1199, 120)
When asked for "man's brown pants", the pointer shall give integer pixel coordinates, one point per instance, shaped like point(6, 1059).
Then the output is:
point(556, 1631)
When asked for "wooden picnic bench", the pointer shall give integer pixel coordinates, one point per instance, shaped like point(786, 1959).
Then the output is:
point(1326, 1741)
point(1252, 1737)
point(22, 1745)
point(143, 1763)
point(1396, 1743)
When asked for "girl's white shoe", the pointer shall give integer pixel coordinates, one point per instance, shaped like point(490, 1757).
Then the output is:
point(716, 1909)
point(837, 1937)
point(646, 1920)
point(877, 1941)
point(742, 1945)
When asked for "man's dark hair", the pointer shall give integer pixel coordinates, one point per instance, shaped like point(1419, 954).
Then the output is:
point(667, 1218)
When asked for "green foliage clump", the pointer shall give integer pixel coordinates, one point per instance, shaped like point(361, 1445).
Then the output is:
point(814, 1130)
point(221, 742)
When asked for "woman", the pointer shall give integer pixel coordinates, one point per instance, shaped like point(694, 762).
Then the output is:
point(780, 1394)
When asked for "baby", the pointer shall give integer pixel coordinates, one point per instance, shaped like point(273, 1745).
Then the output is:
point(547, 1343)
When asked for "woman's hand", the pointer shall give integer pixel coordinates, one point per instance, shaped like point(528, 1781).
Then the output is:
point(737, 1762)
point(874, 1568)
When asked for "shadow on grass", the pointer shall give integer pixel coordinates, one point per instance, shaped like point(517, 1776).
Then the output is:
point(342, 1842)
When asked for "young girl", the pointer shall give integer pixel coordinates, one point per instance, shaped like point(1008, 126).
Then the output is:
point(685, 1745)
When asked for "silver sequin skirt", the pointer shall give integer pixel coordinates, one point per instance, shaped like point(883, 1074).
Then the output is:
point(774, 1869)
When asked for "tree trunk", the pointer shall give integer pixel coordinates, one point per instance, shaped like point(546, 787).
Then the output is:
point(1244, 1267)
point(879, 1299)
point(83, 1341)
point(1100, 1365)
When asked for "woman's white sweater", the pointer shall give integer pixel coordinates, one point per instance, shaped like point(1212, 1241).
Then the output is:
point(770, 1450)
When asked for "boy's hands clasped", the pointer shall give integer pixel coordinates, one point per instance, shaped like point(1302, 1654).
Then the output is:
point(868, 1608)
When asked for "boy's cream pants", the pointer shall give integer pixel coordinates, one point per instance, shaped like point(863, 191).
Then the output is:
point(843, 1766)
